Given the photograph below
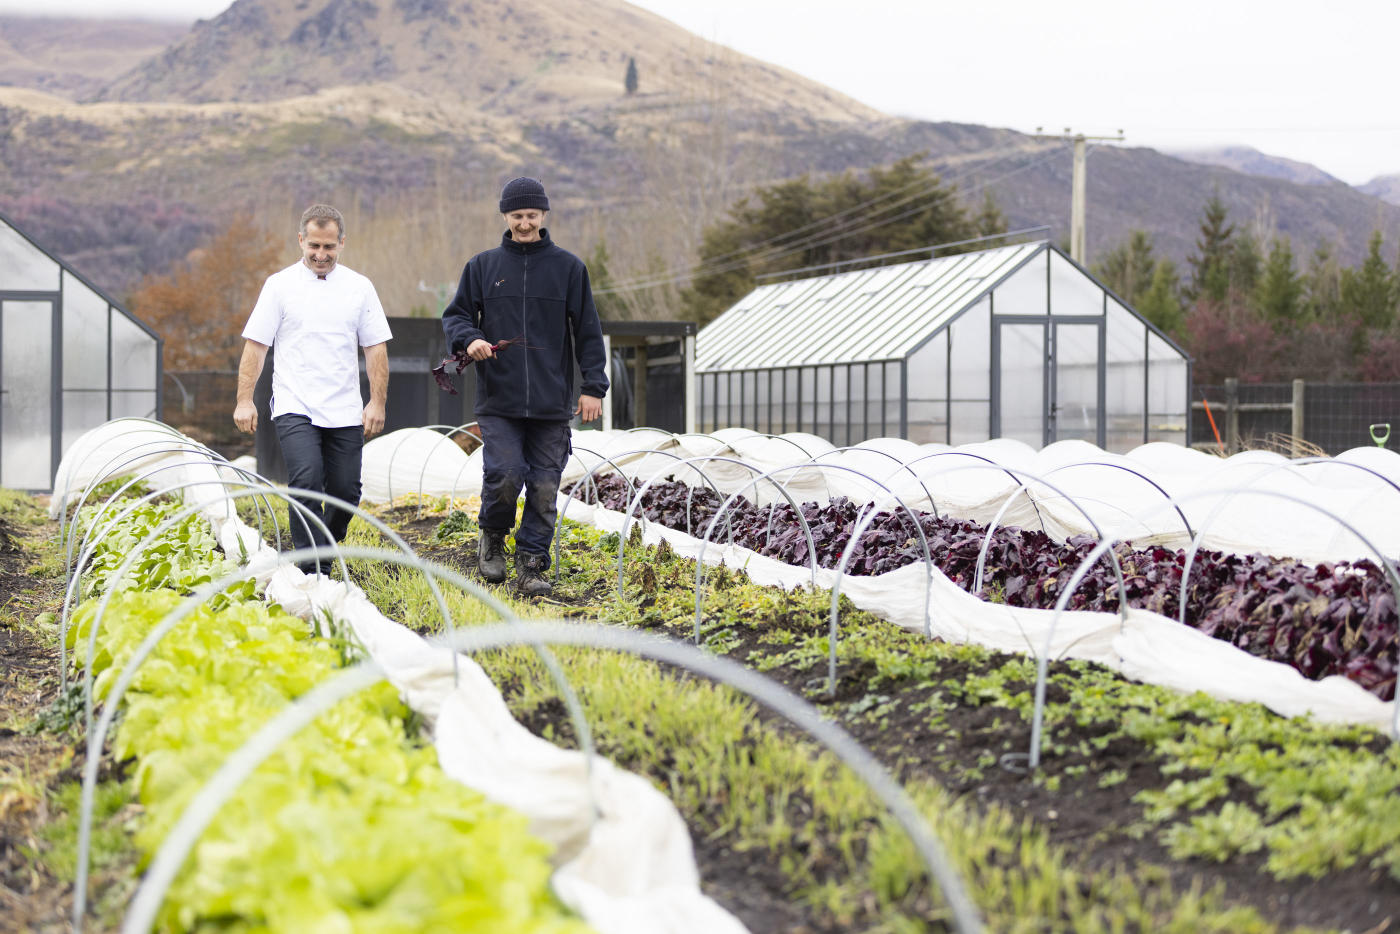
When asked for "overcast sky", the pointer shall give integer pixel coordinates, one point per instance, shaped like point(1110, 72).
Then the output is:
point(1304, 81)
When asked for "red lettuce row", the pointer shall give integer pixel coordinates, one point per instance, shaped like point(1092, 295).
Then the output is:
point(1322, 619)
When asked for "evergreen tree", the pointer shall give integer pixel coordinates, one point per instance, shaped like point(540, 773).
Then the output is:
point(989, 220)
point(600, 281)
point(802, 223)
point(630, 82)
point(1128, 269)
point(1210, 265)
point(1323, 283)
point(1369, 291)
point(1245, 265)
point(1279, 293)
point(1160, 303)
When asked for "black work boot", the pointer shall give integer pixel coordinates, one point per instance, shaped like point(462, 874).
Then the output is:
point(529, 575)
point(491, 556)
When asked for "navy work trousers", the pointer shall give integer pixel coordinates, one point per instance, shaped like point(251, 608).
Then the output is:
point(322, 460)
point(529, 453)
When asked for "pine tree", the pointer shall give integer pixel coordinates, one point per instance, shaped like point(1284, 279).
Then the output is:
point(630, 82)
point(1246, 265)
point(1369, 290)
point(989, 220)
point(1160, 303)
point(1210, 265)
point(1323, 282)
point(802, 223)
point(1279, 292)
point(1128, 268)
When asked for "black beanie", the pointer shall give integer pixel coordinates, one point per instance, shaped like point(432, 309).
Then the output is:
point(521, 193)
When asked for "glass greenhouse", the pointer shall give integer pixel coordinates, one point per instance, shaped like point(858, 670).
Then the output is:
point(1012, 342)
point(71, 358)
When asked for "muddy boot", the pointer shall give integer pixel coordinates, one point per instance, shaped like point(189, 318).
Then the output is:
point(491, 556)
point(529, 575)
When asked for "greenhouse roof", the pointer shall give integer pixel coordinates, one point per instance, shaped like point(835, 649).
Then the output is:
point(883, 313)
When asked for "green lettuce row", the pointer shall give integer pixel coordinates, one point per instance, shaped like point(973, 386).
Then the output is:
point(183, 559)
point(349, 827)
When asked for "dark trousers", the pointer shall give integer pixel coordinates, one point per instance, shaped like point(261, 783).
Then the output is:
point(529, 453)
point(322, 460)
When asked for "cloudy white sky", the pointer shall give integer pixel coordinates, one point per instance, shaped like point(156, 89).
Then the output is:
point(1304, 81)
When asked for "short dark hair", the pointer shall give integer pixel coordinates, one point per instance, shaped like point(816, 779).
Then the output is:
point(320, 215)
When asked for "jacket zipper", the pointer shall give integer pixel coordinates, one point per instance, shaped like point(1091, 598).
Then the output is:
point(525, 327)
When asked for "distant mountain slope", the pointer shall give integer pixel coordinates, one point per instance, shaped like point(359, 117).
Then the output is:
point(419, 109)
point(1385, 187)
point(522, 58)
point(1251, 161)
point(77, 57)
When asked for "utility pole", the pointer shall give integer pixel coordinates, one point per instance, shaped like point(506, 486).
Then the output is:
point(1076, 203)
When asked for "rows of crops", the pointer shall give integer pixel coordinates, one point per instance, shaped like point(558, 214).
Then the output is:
point(319, 831)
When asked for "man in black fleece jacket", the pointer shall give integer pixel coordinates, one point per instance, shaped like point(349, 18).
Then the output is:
point(534, 296)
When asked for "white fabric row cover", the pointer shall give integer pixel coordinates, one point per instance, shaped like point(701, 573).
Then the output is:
point(1252, 502)
point(629, 870)
point(1256, 501)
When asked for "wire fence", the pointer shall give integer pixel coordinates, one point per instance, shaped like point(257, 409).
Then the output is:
point(1297, 418)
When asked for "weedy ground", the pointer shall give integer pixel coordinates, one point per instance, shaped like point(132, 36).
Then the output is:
point(1153, 810)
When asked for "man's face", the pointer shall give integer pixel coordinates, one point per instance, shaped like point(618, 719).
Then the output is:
point(525, 224)
point(320, 246)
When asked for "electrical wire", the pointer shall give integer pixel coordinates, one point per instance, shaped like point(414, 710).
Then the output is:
point(768, 249)
point(822, 238)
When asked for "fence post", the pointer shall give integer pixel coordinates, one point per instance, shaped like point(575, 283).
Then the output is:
point(1297, 429)
point(1232, 414)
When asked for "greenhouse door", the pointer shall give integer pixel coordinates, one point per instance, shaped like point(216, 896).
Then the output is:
point(29, 373)
point(1075, 410)
point(1048, 385)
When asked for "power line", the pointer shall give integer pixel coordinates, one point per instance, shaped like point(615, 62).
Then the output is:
point(774, 248)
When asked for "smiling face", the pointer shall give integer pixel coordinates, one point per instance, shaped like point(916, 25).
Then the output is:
point(320, 246)
point(525, 224)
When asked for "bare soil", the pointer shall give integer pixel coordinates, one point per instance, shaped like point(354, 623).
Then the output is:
point(1087, 819)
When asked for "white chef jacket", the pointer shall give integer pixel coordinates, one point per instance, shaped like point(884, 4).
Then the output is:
point(317, 327)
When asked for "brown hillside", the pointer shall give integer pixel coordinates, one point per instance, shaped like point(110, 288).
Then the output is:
point(520, 58)
point(76, 58)
point(411, 113)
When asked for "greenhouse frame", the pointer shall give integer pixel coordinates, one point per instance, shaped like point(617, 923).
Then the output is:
point(71, 358)
point(1011, 342)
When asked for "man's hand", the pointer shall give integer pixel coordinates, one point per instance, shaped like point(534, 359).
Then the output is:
point(245, 416)
point(373, 419)
point(480, 350)
point(589, 408)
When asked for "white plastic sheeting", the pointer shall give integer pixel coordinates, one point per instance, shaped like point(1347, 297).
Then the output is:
point(626, 867)
point(1252, 502)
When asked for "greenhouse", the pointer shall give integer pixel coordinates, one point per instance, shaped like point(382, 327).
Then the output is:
point(1012, 342)
point(71, 358)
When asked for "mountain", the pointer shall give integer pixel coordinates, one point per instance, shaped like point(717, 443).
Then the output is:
point(411, 113)
point(522, 58)
point(76, 57)
point(1385, 187)
point(1251, 161)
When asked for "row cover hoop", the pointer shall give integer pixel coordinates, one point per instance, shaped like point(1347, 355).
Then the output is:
point(1220, 507)
point(127, 564)
point(76, 571)
point(406, 558)
point(389, 470)
point(1025, 478)
point(812, 548)
point(221, 786)
point(423, 470)
point(1106, 544)
point(587, 478)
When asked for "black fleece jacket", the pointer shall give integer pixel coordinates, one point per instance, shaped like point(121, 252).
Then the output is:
point(538, 294)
